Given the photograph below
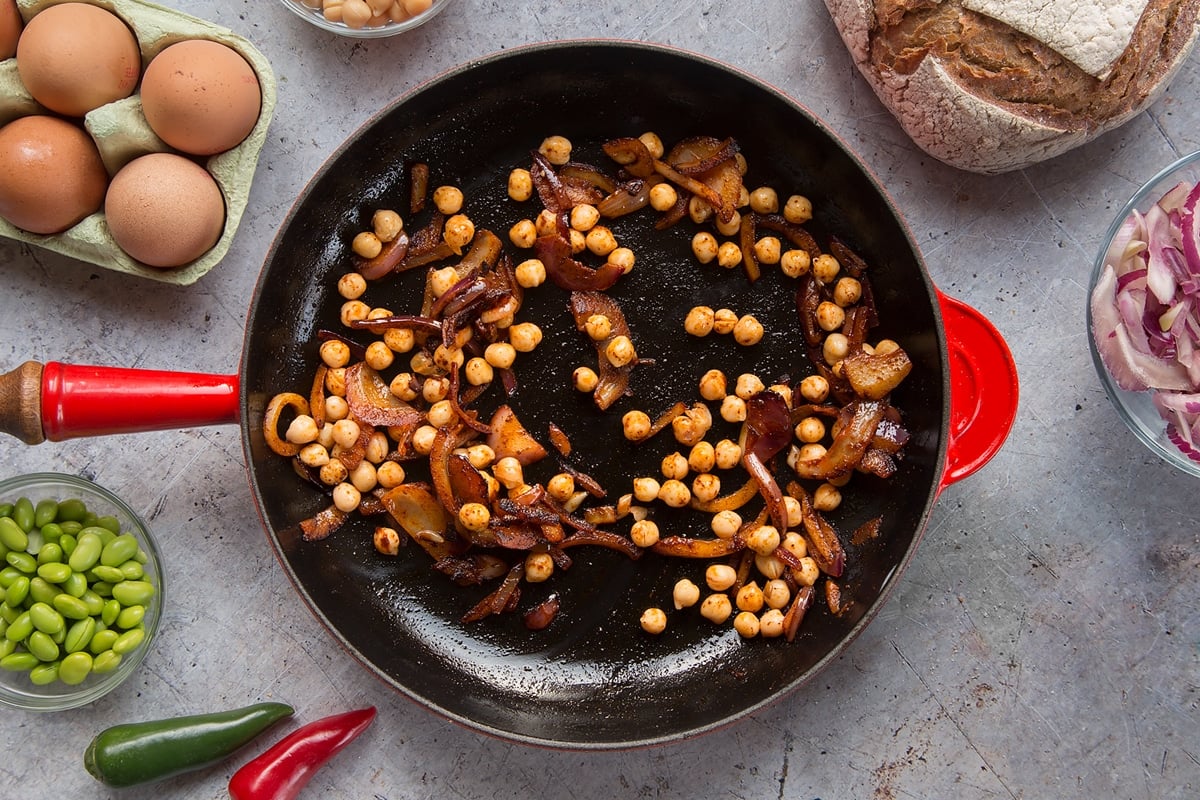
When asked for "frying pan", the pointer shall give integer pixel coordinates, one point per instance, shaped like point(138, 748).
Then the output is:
point(593, 679)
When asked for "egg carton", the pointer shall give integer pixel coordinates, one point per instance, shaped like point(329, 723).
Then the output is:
point(122, 133)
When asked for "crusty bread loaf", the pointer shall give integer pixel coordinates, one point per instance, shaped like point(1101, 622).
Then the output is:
point(996, 85)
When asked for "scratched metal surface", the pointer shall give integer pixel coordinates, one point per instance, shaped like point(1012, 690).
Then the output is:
point(1042, 644)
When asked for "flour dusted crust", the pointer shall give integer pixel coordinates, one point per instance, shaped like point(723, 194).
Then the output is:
point(996, 85)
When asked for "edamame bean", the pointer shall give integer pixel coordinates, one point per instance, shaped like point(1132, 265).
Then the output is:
point(70, 607)
point(9, 613)
point(128, 641)
point(71, 527)
point(54, 572)
point(12, 535)
point(103, 588)
point(107, 574)
point(75, 585)
point(52, 532)
point(23, 513)
point(44, 674)
point(80, 634)
point(110, 522)
point(45, 618)
point(86, 552)
point(20, 628)
point(94, 602)
point(102, 640)
point(17, 591)
point(133, 593)
point(6, 509)
point(41, 590)
point(71, 510)
point(21, 661)
point(132, 570)
point(67, 543)
point(8, 575)
point(44, 512)
point(131, 617)
point(110, 612)
point(106, 662)
point(50, 553)
point(74, 668)
point(7, 647)
point(22, 561)
point(42, 646)
point(119, 550)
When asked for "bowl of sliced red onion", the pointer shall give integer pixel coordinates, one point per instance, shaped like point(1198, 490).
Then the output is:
point(1144, 313)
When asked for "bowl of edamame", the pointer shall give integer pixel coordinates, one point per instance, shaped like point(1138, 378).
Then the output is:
point(81, 591)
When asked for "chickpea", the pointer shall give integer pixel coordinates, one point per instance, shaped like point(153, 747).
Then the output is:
point(723, 320)
point(732, 227)
point(698, 210)
point(434, 388)
point(635, 424)
point(556, 149)
point(523, 234)
point(546, 223)
point(644, 533)
point(333, 473)
point(440, 280)
point(387, 224)
point(389, 474)
point(585, 379)
point(725, 524)
point(561, 487)
point(345, 433)
point(448, 199)
point(795, 263)
point(776, 593)
point(422, 439)
point(770, 624)
point(702, 457)
point(847, 291)
point(810, 452)
point(750, 597)
point(386, 541)
point(807, 573)
point(377, 447)
point(685, 594)
point(748, 384)
point(335, 381)
point(835, 348)
point(706, 486)
point(885, 346)
point(520, 185)
point(313, 455)
point(399, 340)
point(525, 337)
point(720, 577)
point(478, 372)
point(352, 311)
point(509, 472)
point(646, 489)
point(480, 456)
point(814, 388)
point(598, 327)
point(675, 493)
point(620, 351)
point(764, 200)
point(500, 355)
point(346, 497)
point(474, 516)
point(728, 454)
point(584, 217)
point(404, 386)
point(748, 331)
point(363, 476)
point(531, 273)
point(624, 258)
point(674, 465)
point(716, 608)
point(712, 385)
point(539, 567)
point(770, 567)
point(795, 513)
point(654, 621)
point(798, 209)
point(705, 247)
point(440, 414)
point(378, 356)
point(825, 268)
point(301, 430)
point(763, 540)
point(458, 232)
point(768, 250)
point(810, 429)
point(746, 624)
point(600, 240)
point(826, 497)
point(366, 245)
point(652, 143)
point(356, 13)
point(729, 255)
point(830, 316)
point(336, 408)
point(699, 321)
point(352, 285)
point(663, 196)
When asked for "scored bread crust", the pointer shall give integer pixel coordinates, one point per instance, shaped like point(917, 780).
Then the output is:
point(982, 95)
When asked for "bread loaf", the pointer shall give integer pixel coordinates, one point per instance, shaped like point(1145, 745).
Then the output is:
point(996, 85)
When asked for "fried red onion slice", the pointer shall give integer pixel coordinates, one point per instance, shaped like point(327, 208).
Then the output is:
point(498, 600)
point(372, 402)
point(554, 251)
point(389, 257)
point(848, 446)
point(613, 381)
point(768, 430)
point(323, 523)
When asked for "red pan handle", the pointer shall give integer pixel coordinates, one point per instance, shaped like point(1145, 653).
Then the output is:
point(62, 401)
point(983, 389)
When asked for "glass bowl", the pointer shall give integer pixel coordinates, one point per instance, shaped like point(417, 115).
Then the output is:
point(18, 689)
point(315, 16)
point(1137, 408)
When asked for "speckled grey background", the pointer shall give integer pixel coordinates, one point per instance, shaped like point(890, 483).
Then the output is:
point(1042, 644)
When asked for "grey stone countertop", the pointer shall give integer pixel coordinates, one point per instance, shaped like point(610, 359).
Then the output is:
point(1042, 643)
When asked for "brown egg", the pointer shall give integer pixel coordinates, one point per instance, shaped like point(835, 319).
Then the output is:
point(201, 97)
point(10, 28)
point(75, 57)
point(51, 175)
point(164, 210)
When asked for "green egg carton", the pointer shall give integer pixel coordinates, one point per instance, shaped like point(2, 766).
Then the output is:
point(122, 134)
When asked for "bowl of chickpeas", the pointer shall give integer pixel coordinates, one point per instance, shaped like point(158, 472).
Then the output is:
point(366, 19)
point(81, 591)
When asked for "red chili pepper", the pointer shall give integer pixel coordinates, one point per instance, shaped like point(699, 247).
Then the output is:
point(288, 765)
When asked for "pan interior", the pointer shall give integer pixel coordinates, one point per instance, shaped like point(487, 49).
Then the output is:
point(593, 679)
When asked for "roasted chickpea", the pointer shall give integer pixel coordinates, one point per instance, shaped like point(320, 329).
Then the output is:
point(698, 210)
point(523, 234)
point(770, 567)
point(814, 388)
point(723, 320)
point(644, 533)
point(770, 624)
point(352, 285)
point(378, 356)
point(389, 474)
point(635, 424)
point(764, 200)
point(675, 493)
point(795, 263)
point(810, 429)
point(333, 473)
point(525, 337)
point(366, 245)
point(362, 477)
point(685, 594)
point(620, 351)
point(352, 311)
point(646, 489)
point(705, 247)
point(725, 524)
point(768, 250)
point(654, 621)
point(652, 143)
point(598, 327)
point(733, 409)
point(435, 388)
point(387, 224)
point(746, 624)
point(539, 567)
point(776, 593)
point(835, 348)
point(720, 577)
point(830, 316)
point(448, 200)
point(706, 486)
point(600, 240)
point(798, 209)
point(748, 384)
point(729, 255)
point(458, 232)
point(807, 573)
point(748, 331)
point(674, 465)
point(826, 497)
point(663, 196)
point(500, 355)
point(712, 385)
point(716, 608)
point(314, 455)
point(847, 291)
point(763, 540)
point(585, 379)
point(386, 541)
point(699, 321)
point(478, 372)
point(728, 454)
point(556, 149)
point(825, 268)
point(399, 340)
point(624, 258)
point(730, 227)
point(336, 408)
point(702, 457)
point(520, 185)
point(584, 217)
point(345, 497)
point(335, 353)
point(440, 280)
point(509, 472)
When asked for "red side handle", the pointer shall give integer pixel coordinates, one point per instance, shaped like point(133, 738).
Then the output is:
point(983, 389)
point(94, 401)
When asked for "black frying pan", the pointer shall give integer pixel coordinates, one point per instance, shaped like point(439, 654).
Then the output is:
point(593, 679)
